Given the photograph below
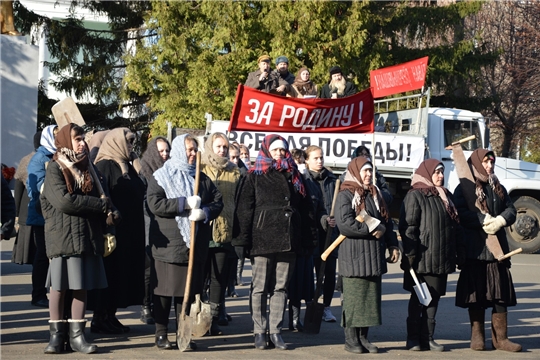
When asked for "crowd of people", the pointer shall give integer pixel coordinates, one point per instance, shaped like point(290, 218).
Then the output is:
point(105, 230)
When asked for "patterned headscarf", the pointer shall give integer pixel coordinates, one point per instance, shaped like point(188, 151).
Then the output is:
point(265, 162)
point(47, 139)
point(151, 160)
point(176, 178)
point(353, 183)
point(74, 166)
point(482, 177)
point(423, 181)
point(114, 147)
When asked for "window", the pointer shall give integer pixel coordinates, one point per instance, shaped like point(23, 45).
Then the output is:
point(455, 130)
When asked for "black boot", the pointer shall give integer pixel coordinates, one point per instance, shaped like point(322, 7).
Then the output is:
point(351, 341)
point(57, 329)
point(426, 336)
point(223, 320)
point(146, 315)
point(294, 319)
point(111, 315)
point(362, 337)
point(100, 324)
point(162, 342)
point(214, 328)
point(413, 334)
point(76, 337)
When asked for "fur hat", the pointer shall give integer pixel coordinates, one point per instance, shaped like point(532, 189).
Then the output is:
point(281, 59)
point(263, 58)
point(335, 70)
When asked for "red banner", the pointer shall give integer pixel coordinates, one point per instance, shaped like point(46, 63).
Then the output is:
point(255, 110)
point(399, 78)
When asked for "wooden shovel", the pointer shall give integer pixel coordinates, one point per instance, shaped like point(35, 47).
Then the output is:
point(66, 112)
point(315, 310)
point(186, 323)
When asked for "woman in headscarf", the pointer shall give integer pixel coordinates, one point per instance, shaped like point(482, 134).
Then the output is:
point(171, 200)
point(125, 265)
point(225, 175)
point(432, 243)
point(157, 152)
point(74, 225)
point(276, 221)
point(302, 85)
point(361, 255)
point(485, 282)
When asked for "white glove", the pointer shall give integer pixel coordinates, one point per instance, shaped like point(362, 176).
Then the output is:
point(197, 215)
point(488, 219)
point(495, 225)
point(193, 202)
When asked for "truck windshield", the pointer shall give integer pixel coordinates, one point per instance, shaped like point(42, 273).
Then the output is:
point(455, 130)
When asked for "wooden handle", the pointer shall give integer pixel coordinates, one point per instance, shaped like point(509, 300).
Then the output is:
point(511, 253)
point(336, 191)
point(468, 138)
point(336, 242)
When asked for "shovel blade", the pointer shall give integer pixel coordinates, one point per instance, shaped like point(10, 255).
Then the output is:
point(201, 317)
point(313, 318)
point(423, 294)
point(183, 337)
point(65, 112)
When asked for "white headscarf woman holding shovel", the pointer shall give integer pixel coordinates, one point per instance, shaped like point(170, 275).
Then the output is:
point(172, 201)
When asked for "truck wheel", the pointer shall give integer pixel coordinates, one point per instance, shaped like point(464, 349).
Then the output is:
point(525, 232)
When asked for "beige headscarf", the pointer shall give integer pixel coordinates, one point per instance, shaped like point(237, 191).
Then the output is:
point(114, 147)
point(210, 158)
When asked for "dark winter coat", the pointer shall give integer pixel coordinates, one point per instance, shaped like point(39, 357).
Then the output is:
point(350, 89)
point(23, 250)
point(286, 80)
point(273, 217)
point(165, 238)
point(74, 223)
point(472, 222)
point(361, 254)
point(269, 85)
point(315, 193)
point(36, 177)
point(429, 234)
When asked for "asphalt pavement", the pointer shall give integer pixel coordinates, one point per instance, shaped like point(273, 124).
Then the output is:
point(24, 328)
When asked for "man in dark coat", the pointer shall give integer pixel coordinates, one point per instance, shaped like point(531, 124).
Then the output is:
point(337, 87)
point(263, 79)
point(285, 77)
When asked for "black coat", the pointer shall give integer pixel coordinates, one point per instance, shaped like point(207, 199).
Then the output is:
point(74, 223)
point(472, 222)
point(350, 89)
point(361, 254)
point(429, 234)
point(167, 243)
point(23, 248)
point(273, 217)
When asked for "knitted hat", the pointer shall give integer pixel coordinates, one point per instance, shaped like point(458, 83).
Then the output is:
point(335, 70)
point(277, 144)
point(263, 58)
point(281, 59)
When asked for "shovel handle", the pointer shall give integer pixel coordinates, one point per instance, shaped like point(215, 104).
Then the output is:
point(336, 242)
point(468, 138)
point(413, 274)
point(511, 253)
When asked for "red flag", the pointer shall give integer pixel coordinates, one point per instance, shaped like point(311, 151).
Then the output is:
point(399, 78)
point(255, 110)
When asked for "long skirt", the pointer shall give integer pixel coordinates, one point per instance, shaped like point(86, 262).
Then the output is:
point(361, 302)
point(484, 284)
point(169, 279)
point(85, 272)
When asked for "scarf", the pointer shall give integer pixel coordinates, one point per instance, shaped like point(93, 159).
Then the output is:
point(95, 142)
point(74, 166)
point(304, 87)
point(151, 160)
point(265, 162)
point(176, 178)
point(210, 158)
point(114, 147)
point(47, 139)
point(482, 177)
point(422, 181)
point(22, 170)
point(352, 183)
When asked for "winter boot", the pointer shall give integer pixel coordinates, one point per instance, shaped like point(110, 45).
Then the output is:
point(413, 334)
point(214, 328)
point(146, 315)
point(222, 317)
point(478, 337)
point(162, 342)
point(76, 337)
point(351, 341)
point(294, 319)
point(499, 326)
point(57, 329)
point(111, 316)
point(426, 336)
point(362, 337)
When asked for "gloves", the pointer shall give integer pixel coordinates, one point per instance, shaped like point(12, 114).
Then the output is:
point(193, 202)
point(114, 218)
point(197, 215)
point(379, 231)
point(488, 219)
point(407, 262)
point(495, 225)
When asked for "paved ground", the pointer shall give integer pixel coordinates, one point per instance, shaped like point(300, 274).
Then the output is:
point(24, 328)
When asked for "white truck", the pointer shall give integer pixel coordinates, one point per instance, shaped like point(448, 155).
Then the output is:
point(407, 131)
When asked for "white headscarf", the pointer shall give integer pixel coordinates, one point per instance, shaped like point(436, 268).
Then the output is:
point(47, 139)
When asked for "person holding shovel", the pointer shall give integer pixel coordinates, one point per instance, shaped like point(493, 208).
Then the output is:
point(172, 201)
point(485, 282)
point(75, 217)
point(276, 221)
point(432, 243)
point(362, 217)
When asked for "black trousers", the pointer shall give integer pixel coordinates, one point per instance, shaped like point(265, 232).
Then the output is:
point(329, 284)
point(40, 265)
point(218, 273)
